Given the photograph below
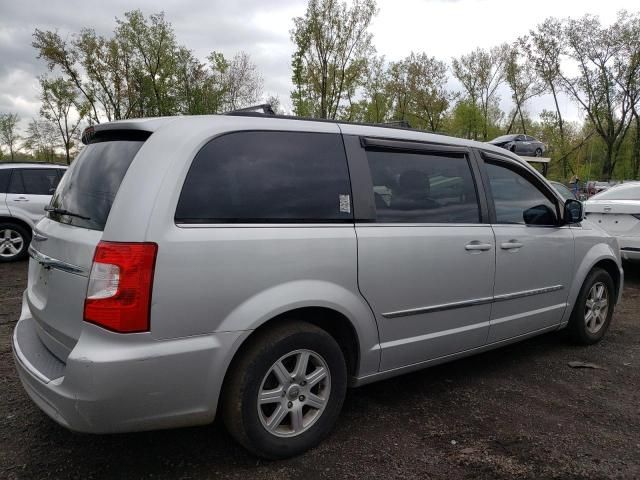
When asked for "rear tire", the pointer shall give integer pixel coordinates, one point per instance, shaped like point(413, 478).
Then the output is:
point(593, 310)
point(275, 406)
point(14, 242)
point(538, 152)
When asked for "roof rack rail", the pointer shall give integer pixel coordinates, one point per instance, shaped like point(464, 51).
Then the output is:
point(397, 123)
point(266, 108)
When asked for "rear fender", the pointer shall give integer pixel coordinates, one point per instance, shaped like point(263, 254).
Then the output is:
point(270, 303)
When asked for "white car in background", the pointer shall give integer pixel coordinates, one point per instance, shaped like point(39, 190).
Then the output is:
point(617, 211)
point(25, 191)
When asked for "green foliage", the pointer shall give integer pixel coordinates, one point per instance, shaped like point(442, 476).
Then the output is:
point(9, 135)
point(143, 71)
point(333, 45)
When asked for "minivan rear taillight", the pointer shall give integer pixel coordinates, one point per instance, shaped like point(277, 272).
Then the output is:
point(120, 283)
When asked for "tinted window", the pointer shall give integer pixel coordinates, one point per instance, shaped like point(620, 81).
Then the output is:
point(5, 175)
point(15, 184)
point(42, 181)
point(267, 176)
point(564, 191)
point(513, 195)
point(93, 180)
point(421, 188)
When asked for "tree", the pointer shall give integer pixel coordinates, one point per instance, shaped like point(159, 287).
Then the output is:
point(398, 87)
point(481, 72)
point(628, 29)
point(59, 106)
point(427, 78)
point(603, 81)
point(544, 48)
point(242, 84)
point(332, 47)
point(42, 138)
point(142, 70)
point(9, 132)
point(377, 101)
point(523, 82)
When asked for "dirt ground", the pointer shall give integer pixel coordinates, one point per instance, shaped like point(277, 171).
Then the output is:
point(520, 411)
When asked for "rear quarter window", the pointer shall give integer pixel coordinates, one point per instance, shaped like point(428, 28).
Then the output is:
point(40, 181)
point(267, 176)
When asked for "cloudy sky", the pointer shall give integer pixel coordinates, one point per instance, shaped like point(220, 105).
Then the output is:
point(442, 28)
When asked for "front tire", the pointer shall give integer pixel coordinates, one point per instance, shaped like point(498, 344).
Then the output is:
point(538, 152)
point(284, 393)
point(14, 242)
point(593, 310)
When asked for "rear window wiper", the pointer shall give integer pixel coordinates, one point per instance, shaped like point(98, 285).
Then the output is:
point(62, 211)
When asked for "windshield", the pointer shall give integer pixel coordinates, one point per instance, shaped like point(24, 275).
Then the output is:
point(87, 191)
point(622, 192)
point(563, 190)
point(504, 138)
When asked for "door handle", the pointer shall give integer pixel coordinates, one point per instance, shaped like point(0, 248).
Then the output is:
point(477, 246)
point(21, 199)
point(511, 245)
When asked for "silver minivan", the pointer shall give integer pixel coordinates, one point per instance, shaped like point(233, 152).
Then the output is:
point(256, 267)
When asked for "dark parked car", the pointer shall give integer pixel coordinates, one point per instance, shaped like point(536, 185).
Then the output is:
point(520, 144)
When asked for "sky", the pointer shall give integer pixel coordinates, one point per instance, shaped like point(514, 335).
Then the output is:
point(441, 28)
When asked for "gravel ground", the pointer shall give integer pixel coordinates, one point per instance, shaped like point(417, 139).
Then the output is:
point(520, 411)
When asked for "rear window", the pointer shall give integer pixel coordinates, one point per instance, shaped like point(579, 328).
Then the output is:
point(623, 192)
point(90, 185)
point(267, 177)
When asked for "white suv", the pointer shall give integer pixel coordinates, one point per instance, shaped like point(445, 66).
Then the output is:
point(25, 190)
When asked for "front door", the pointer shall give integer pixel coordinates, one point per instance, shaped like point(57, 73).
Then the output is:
point(534, 256)
point(426, 262)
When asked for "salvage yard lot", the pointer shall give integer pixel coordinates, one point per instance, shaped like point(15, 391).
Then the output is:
point(518, 411)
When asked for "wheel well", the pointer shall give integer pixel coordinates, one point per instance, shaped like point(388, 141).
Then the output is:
point(611, 268)
point(331, 321)
point(17, 221)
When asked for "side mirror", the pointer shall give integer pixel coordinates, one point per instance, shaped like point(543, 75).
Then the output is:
point(573, 212)
point(539, 215)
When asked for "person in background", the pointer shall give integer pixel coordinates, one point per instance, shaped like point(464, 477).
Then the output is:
point(575, 182)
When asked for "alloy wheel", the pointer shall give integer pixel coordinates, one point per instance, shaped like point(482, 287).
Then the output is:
point(11, 243)
point(596, 307)
point(294, 393)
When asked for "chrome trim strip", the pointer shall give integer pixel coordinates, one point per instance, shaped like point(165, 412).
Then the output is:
point(438, 308)
point(526, 293)
point(429, 336)
point(528, 313)
point(470, 303)
point(49, 262)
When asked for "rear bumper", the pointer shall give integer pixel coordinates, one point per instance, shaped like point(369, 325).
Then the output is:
point(126, 383)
